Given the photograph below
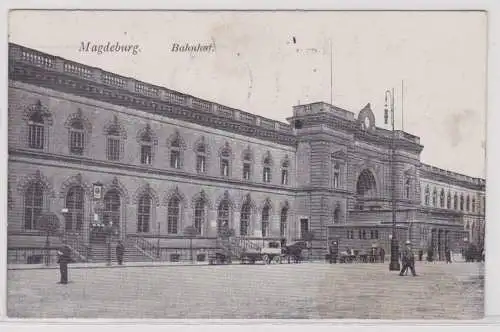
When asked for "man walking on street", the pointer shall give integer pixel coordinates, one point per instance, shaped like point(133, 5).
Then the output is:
point(64, 258)
point(448, 256)
point(408, 260)
point(120, 250)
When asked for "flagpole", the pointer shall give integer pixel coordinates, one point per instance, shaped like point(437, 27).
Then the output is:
point(331, 73)
point(402, 104)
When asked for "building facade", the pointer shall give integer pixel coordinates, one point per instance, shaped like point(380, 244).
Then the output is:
point(97, 148)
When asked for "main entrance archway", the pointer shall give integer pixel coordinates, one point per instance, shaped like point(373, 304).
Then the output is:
point(366, 185)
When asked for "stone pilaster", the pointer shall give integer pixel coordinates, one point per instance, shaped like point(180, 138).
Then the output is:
point(236, 222)
point(212, 223)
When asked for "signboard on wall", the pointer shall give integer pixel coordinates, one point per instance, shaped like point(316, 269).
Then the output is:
point(97, 190)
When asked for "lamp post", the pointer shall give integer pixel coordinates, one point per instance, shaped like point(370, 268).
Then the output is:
point(158, 243)
point(389, 103)
point(108, 229)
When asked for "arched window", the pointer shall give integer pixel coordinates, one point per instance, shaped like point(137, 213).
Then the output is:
point(441, 199)
point(448, 200)
point(473, 204)
point(113, 147)
point(175, 153)
point(461, 202)
point(336, 174)
point(36, 131)
point(225, 158)
point(336, 215)
point(201, 157)
point(223, 216)
point(112, 205)
point(247, 165)
point(245, 218)
point(266, 171)
point(283, 221)
point(434, 197)
point(33, 205)
point(199, 215)
point(467, 203)
point(265, 221)
point(284, 172)
point(407, 187)
point(173, 215)
point(455, 202)
point(146, 141)
point(144, 213)
point(427, 195)
point(77, 137)
point(75, 205)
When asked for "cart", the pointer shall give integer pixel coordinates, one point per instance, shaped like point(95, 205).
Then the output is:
point(271, 253)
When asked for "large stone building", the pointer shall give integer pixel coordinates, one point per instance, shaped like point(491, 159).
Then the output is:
point(96, 148)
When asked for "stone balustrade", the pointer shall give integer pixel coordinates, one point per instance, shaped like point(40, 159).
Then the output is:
point(33, 57)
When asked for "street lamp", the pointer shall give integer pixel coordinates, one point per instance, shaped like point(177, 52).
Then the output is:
point(389, 103)
point(158, 244)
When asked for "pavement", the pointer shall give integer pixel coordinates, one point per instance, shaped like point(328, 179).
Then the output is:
point(281, 291)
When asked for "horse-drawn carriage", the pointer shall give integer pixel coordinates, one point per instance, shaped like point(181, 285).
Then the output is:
point(270, 253)
point(274, 252)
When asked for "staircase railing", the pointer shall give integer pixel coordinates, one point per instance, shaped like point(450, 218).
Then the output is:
point(76, 245)
point(145, 247)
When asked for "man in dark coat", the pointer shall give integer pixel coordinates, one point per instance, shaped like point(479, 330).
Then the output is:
point(120, 250)
point(64, 258)
point(382, 255)
point(408, 260)
point(448, 256)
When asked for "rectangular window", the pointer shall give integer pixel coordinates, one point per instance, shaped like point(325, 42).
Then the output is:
point(304, 226)
point(266, 176)
point(224, 167)
point(175, 159)
point(284, 177)
point(76, 142)
point(200, 164)
point(146, 156)
point(283, 229)
point(198, 220)
point(246, 171)
point(36, 136)
point(31, 215)
point(265, 228)
point(113, 149)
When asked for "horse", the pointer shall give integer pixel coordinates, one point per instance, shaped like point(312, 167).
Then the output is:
point(294, 251)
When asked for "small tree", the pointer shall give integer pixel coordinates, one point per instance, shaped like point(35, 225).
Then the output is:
point(49, 223)
point(308, 236)
point(191, 232)
point(226, 232)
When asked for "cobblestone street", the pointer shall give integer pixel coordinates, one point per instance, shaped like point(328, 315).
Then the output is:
point(312, 290)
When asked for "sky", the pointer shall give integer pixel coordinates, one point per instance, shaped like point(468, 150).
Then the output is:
point(267, 62)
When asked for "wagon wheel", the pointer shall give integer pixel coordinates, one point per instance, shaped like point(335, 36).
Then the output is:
point(266, 259)
point(277, 259)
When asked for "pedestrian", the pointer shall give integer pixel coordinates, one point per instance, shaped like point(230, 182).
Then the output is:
point(420, 255)
point(430, 255)
point(120, 251)
point(408, 260)
point(333, 254)
point(63, 259)
point(382, 255)
point(448, 256)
